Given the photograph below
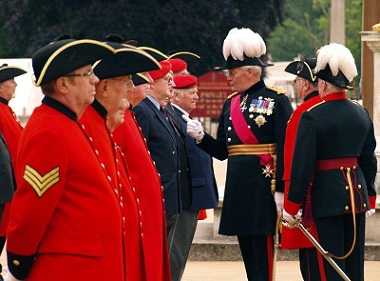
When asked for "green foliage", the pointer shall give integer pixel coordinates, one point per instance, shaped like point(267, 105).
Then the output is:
point(172, 25)
point(307, 26)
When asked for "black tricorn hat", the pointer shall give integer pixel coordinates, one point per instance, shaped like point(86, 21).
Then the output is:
point(127, 60)
point(139, 79)
point(64, 56)
point(9, 72)
point(303, 68)
point(339, 80)
point(232, 63)
point(185, 56)
point(158, 55)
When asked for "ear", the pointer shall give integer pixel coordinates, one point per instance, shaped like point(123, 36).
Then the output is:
point(63, 85)
point(102, 87)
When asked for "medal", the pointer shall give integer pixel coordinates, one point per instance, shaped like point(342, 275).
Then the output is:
point(267, 171)
point(260, 120)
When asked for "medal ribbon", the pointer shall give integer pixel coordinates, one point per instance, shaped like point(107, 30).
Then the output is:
point(243, 132)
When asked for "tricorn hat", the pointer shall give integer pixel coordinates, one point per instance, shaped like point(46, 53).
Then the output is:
point(303, 68)
point(9, 72)
point(127, 60)
point(139, 79)
point(64, 56)
point(158, 55)
point(243, 47)
point(336, 65)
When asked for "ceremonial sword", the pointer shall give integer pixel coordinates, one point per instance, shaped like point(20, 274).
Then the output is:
point(318, 246)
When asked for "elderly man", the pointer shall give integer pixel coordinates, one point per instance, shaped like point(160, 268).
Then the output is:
point(337, 144)
point(307, 87)
point(66, 221)
point(251, 135)
point(203, 183)
point(115, 78)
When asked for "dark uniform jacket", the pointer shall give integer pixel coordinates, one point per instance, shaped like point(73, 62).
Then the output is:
point(163, 146)
point(7, 181)
point(204, 188)
point(248, 206)
point(185, 177)
point(336, 128)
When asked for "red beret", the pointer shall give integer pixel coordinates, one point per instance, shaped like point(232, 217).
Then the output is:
point(185, 81)
point(165, 68)
point(178, 64)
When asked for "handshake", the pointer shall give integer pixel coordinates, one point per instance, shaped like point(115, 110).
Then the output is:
point(194, 128)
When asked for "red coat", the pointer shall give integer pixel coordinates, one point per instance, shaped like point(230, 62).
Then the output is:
point(66, 221)
point(294, 238)
point(96, 128)
point(147, 185)
point(11, 128)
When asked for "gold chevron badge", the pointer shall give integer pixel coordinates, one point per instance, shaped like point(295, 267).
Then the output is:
point(41, 183)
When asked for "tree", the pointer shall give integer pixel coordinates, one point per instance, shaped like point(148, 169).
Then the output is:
point(173, 25)
point(307, 26)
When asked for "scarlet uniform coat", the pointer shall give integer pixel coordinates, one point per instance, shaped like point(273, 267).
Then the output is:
point(11, 128)
point(294, 238)
point(66, 222)
point(95, 126)
point(146, 183)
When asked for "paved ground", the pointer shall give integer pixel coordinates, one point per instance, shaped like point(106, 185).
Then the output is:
point(234, 271)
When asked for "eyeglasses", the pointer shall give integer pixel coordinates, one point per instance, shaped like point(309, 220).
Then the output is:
point(299, 79)
point(85, 74)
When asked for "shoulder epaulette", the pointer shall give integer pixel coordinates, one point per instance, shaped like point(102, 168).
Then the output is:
point(232, 95)
point(278, 91)
point(315, 105)
point(357, 103)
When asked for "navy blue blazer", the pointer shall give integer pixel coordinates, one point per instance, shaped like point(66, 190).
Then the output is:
point(204, 187)
point(163, 146)
point(7, 181)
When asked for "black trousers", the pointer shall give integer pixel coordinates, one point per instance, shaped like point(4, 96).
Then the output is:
point(336, 235)
point(257, 253)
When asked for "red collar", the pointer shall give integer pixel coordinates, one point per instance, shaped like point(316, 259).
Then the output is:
point(335, 96)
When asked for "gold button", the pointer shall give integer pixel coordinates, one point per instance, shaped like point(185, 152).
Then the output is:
point(359, 186)
point(173, 152)
point(229, 139)
point(16, 262)
point(229, 128)
point(347, 208)
point(364, 205)
point(249, 127)
point(230, 118)
point(341, 168)
point(347, 187)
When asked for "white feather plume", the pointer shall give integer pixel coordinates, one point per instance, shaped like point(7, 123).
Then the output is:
point(338, 57)
point(244, 41)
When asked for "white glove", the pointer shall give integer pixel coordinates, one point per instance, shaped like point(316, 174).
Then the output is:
point(194, 128)
point(7, 275)
point(292, 221)
point(369, 213)
point(279, 199)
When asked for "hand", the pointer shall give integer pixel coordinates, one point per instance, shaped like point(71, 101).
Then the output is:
point(290, 220)
point(8, 275)
point(194, 128)
point(279, 199)
point(369, 213)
